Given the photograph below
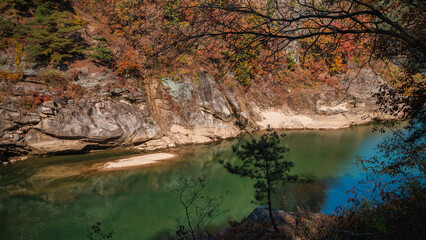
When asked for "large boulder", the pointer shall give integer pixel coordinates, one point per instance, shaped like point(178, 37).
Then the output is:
point(93, 124)
point(291, 223)
point(41, 143)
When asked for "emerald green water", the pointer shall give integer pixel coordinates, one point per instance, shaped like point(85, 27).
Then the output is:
point(60, 197)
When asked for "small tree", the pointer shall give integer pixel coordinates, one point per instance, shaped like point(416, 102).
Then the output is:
point(101, 53)
point(200, 210)
point(263, 160)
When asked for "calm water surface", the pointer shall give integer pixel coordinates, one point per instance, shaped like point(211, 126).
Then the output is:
point(60, 198)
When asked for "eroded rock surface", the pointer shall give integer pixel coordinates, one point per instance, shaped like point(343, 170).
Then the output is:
point(176, 110)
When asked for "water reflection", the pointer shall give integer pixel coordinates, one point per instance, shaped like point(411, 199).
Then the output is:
point(59, 197)
point(301, 197)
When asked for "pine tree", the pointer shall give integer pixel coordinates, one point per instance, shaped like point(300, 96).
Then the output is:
point(263, 160)
point(101, 52)
point(52, 36)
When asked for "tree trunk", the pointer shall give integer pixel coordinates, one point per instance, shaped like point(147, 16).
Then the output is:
point(270, 207)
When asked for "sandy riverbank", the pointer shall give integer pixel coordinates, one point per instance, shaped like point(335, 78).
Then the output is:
point(137, 161)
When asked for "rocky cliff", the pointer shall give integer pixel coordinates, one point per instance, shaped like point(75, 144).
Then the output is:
point(174, 110)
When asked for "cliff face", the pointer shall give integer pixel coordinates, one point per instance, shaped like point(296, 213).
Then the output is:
point(175, 110)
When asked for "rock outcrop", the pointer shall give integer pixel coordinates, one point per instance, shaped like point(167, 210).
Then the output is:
point(291, 225)
point(173, 111)
point(283, 219)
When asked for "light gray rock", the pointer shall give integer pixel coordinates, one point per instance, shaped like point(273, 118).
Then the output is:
point(90, 78)
point(210, 97)
point(30, 119)
point(362, 83)
point(28, 88)
point(6, 125)
point(45, 110)
point(41, 143)
point(50, 104)
point(16, 137)
point(194, 110)
point(28, 72)
point(108, 123)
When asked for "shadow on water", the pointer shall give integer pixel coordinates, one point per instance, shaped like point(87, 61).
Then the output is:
point(55, 197)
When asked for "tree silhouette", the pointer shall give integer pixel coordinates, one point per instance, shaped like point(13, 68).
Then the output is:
point(263, 160)
point(396, 23)
point(200, 210)
point(386, 30)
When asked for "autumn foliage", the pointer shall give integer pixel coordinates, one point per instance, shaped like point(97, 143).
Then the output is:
point(128, 66)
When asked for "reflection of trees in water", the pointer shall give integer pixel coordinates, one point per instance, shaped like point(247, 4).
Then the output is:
point(306, 197)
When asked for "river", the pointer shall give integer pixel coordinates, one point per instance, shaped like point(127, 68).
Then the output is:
point(59, 197)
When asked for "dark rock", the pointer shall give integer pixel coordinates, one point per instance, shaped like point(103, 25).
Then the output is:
point(59, 102)
point(9, 148)
point(261, 214)
point(117, 91)
point(290, 225)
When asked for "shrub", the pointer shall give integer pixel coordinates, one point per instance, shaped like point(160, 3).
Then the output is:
point(128, 65)
point(9, 29)
point(9, 76)
point(74, 91)
point(52, 77)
